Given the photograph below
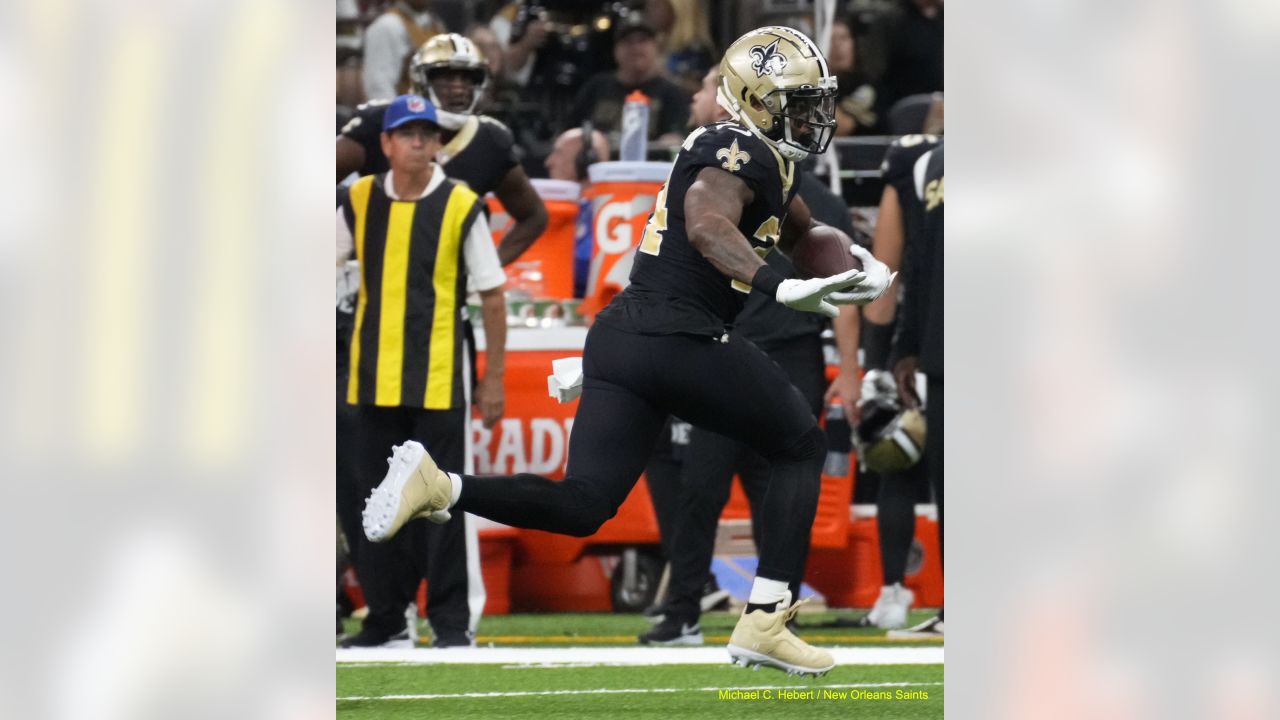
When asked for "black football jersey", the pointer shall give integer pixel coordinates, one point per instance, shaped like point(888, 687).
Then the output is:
point(931, 343)
point(899, 161)
point(480, 154)
point(922, 301)
point(673, 288)
point(931, 195)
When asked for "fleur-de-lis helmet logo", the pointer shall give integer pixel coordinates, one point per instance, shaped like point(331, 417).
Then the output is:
point(766, 60)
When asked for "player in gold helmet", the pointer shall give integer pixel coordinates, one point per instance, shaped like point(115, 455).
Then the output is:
point(775, 82)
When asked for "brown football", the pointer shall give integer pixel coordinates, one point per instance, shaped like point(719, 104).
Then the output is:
point(824, 251)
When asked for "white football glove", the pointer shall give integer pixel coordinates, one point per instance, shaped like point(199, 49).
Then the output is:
point(810, 295)
point(878, 279)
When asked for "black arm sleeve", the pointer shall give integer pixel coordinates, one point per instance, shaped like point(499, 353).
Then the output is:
point(877, 343)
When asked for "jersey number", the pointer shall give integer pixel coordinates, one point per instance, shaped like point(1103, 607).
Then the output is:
point(933, 194)
point(767, 233)
point(651, 243)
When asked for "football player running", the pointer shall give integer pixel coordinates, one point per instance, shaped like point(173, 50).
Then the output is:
point(478, 150)
point(662, 348)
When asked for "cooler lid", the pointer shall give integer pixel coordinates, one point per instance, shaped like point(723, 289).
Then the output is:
point(556, 189)
point(629, 171)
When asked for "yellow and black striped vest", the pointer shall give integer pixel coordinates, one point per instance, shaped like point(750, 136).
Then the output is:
point(407, 346)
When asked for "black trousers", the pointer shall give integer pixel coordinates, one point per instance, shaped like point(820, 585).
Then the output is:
point(390, 571)
point(348, 507)
point(632, 383)
point(709, 466)
point(349, 502)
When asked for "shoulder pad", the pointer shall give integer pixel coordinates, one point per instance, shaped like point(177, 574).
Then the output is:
point(494, 122)
point(367, 120)
point(730, 146)
point(902, 154)
point(355, 122)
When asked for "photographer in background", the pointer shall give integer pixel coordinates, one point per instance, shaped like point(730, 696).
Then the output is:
point(550, 47)
point(639, 68)
point(390, 41)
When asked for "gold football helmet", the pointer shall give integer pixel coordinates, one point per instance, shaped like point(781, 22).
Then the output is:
point(889, 439)
point(775, 82)
point(448, 51)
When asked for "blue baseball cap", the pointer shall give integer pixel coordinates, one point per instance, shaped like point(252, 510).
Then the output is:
point(406, 109)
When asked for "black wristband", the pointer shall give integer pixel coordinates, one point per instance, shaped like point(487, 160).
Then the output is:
point(877, 341)
point(767, 281)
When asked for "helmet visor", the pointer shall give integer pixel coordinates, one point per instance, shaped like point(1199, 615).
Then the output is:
point(809, 120)
point(453, 88)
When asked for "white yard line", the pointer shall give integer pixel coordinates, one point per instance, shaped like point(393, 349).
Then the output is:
point(631, 691)
point(718, 655)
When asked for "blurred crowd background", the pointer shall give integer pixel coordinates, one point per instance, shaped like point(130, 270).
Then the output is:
point(548, 59)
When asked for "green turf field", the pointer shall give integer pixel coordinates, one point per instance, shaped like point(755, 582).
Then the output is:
point(581, 688)
point(573, 629)
point(659, 692)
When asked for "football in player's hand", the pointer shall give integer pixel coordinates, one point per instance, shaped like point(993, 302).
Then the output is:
point(822, 252)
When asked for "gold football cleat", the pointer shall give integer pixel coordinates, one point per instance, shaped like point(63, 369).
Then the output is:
point(413, 487)
point(762, 638)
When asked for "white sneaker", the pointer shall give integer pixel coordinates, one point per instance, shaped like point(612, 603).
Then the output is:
point(411, 622)
point(890, 611)
point(673, 632)
point(931, 628)
point(762, 638)
point(413, 487)
point(714, 599)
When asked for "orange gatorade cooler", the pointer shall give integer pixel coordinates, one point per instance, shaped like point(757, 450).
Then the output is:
point(545, 270)
point(622, 196)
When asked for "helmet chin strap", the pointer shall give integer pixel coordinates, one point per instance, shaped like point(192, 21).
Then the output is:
point(731, 106)
point(451, 121)
point(791, 152)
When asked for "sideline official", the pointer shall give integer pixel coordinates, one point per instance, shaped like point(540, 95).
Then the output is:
point(419, 238)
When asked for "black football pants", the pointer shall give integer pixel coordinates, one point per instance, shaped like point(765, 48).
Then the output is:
point(632, 383)
point(710, 462)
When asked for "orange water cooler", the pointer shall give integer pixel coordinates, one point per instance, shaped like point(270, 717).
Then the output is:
point(545, 270)
point(851, 576)
point(622, 196)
